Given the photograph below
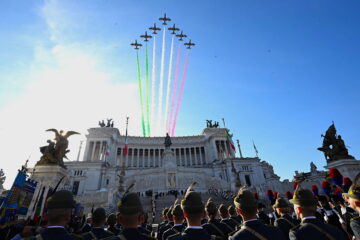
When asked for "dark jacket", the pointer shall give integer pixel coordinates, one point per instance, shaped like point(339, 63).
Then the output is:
point(172, 231)
point(355, 226)
point(56, 234)
point(285, 223)
point(134, 234)
point(270, 233)
point(193, 234)
point(99, 233)
point(307, 232)
point(221, 230)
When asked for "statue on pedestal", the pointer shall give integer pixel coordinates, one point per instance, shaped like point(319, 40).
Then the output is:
point(168, 142)
point(2, 179)
point(333, 146)
point(54, 152)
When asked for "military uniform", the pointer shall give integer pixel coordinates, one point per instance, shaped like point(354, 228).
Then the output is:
point(176, 229)
point(130, 205)
point(310, 227)
point(99, 234)
point(223, 211)
point(354, 193)
point(192, 234)
point(284, 222)
point(253, 229)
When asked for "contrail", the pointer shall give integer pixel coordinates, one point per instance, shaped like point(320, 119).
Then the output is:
point(161, 85)
point(147, 93)
point(180, 93)
point(141, 99)
point(166, 123)
point(153, 83)
point(174, 89)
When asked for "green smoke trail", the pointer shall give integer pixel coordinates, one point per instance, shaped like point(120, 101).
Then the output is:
point(147, 93)
point(141, 99)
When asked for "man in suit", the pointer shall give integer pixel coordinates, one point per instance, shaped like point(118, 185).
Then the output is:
point(252, 228)
point(353, 198)
point(285, 222)
point(310, 227)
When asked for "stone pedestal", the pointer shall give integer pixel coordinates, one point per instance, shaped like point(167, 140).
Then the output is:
point(170, 167)
point(347, 167)
point(49, 175)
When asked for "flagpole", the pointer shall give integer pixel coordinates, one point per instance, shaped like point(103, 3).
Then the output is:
point(223, 120)
point(238, 143)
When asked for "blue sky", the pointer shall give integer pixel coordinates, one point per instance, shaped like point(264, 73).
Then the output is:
point(278, 71)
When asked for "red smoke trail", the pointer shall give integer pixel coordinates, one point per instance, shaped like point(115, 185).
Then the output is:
point(180, 93)
point(174, 90)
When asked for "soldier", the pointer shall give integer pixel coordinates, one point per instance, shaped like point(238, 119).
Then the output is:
point(261, 215)
point(87, 227)
point(310, 227)
point(60, 206)
point(252, 228)
point(285, 222)
point(164, 222)
point(214, 227)
point(111, 221)
point(233, 216)
point(167, 226)
point(178, 217)
point(98, 231)
point(130, 216)
point(225, 219)
point(353, 198)
point(193, 208)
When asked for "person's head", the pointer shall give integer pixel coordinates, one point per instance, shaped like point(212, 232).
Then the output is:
point(260, 207)
point(323, 201)
point(193, 208)
point(177, 214)
point(353, 195)
point(305, 204)
point(169, 214)
point(89, 220)
point(164, 214)
point(246, 204)
point(223, 212)
point(231, 210)
point(99, 217)
point(60, 206)
point(111, 220)
point(281, 206)
point(211, 209)
point(130, 211)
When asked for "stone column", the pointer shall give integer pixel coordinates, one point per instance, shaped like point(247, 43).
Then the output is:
point(191, 159)
point(93, 151)
point(200, 154)
point(132, 157)
point(196, 157)
point(159, 157)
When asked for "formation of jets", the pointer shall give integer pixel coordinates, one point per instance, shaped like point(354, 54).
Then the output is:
point(155, 29)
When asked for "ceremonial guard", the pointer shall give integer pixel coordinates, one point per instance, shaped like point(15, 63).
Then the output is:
point(193, 208)
point(130, 216)
point(214, 227)
point(98, 232)
point(111, 221)
point(310, 227)
point(225, 218)
point(60, 206)
point(285, 222)
point(87, 227)
point(252, 228)
point(163, 223)
point(178, 217)
point(166, 226)
point(353, 198)
point(233, 216)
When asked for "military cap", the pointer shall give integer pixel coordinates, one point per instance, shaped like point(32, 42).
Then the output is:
point(303, 197)
point(164, 211)
point(210, 206)
point(61, 199)
point(354, 190)
point(231, 210)
point(245, 198)
point(130, 204)
point(111, 219)
point(169, 213)
point(192, 202)
point(281, 203)
point(177, 211)
point(223, 209)
point(99, 215)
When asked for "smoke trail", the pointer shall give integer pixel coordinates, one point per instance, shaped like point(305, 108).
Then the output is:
point(174, 88)
point(180, 93)
point(161, 85)
point(153, 83)
point(166, 123)
point(140, 92)
point(147, 93)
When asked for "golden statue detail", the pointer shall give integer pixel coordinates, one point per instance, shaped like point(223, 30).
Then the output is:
point(55, 152)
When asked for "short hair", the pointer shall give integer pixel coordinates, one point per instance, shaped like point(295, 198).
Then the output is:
point(57, 215)
point(130, 219)
point(309, 210)
point(250, 210)
point(284, 210)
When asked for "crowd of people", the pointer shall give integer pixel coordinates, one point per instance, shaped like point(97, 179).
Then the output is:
point(304, 217)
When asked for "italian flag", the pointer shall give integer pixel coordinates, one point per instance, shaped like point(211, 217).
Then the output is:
point(229, 138)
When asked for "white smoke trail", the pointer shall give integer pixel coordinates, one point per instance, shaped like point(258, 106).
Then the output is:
point(166, 123)
point(161, 85)
point(153, 84)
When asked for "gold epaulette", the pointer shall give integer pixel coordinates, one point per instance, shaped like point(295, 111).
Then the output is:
point(78, 236)
point(233, 232)
point(355, 218)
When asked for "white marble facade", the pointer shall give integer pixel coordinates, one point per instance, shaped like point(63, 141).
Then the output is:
point(205, 159)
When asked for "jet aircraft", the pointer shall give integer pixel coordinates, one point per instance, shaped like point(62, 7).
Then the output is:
point(181, 36)
point(173, 29)
point(146, 36)
point(136, 45)
point(189, 44)
point(154, 29)
point(165, 19)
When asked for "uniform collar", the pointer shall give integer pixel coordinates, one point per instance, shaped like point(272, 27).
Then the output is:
point(306, 218)
point(55, 227)
point(194, 227)
point(251, 220)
